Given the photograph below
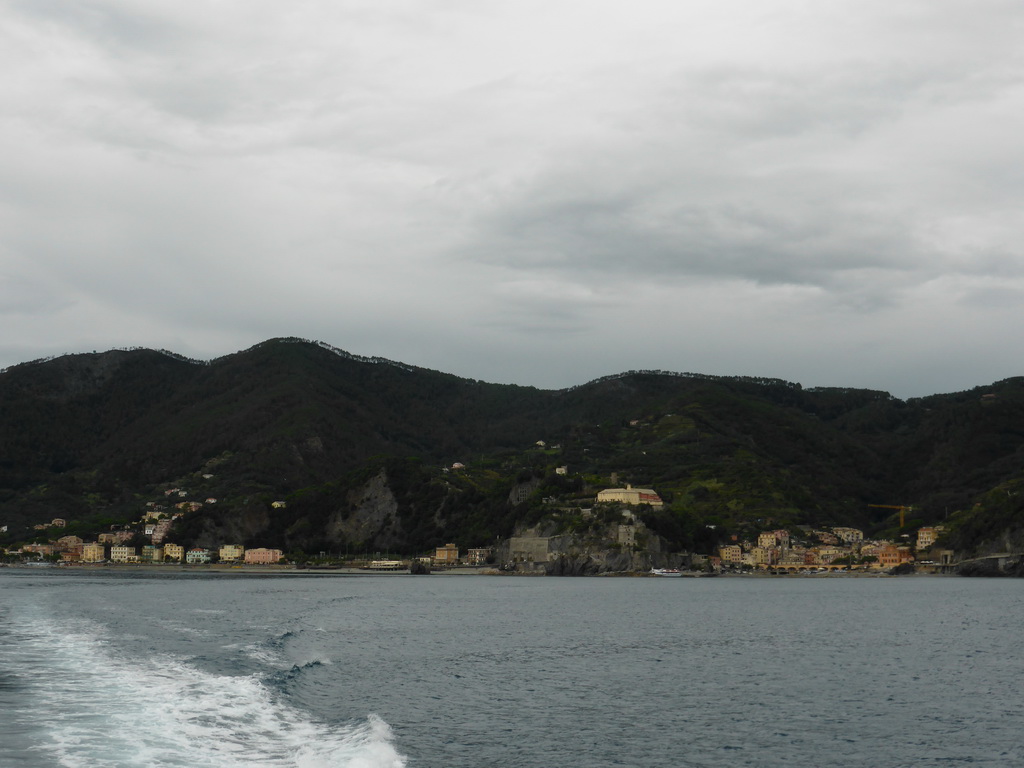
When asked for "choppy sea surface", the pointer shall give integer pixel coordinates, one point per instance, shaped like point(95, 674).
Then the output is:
point(116, 669)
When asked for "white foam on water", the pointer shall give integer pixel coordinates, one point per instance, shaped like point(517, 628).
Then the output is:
point(95, 709)
point(263, 654)
point(184, 629)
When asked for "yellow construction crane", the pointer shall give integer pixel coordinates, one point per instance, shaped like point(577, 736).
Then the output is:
point(900, 507)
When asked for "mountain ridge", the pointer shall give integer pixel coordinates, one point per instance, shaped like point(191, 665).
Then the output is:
point(92, 433)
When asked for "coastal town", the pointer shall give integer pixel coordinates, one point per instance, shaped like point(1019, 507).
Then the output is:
point(111, 549)
point(833, 548)
point(797, 549)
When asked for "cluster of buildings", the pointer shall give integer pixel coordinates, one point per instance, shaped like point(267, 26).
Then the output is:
point(777, 549)
point(111, 548)
point(443, 557)
point(448, 556)
point(155, 525)
point(114, 546)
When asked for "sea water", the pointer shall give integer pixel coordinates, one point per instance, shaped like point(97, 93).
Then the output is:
point(109, 669)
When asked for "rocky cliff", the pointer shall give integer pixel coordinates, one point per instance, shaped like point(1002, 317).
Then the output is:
point(620, 546)
point(370, 515)
point(994, 565)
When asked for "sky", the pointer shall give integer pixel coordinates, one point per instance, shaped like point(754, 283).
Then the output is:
point(527, 192)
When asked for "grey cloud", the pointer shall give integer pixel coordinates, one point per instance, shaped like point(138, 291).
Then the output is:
point(778, 177)
point(459, 186)
point(765, 105)
point(993, 297)
point(23, 296)
point(847, 97)
point(615, 236)
point(118, 26)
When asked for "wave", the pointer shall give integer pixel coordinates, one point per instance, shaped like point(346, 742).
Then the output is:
point(298, 669)
point(304, 677)
point(271, 651)
point(172, 625)
point(8, 682)
point(109, 711)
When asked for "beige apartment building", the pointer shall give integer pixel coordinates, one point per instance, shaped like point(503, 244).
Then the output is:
point(93, 553)
point(630, 495)
point(119, 553)
point(446, 555)
point(826, 555)
point(849, 535)
point(478, 555)
point(927, 536)
point(174, 552)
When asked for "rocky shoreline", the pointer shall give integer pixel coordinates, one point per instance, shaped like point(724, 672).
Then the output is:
point(979, 568)
point(993, 566)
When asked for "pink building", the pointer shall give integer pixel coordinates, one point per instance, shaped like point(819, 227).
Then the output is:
point(262, 556)
point(891, 556)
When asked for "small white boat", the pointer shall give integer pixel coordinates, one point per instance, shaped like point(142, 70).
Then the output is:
point(665, 572)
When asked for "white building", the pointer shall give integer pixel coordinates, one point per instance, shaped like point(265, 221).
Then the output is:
point(197, 556)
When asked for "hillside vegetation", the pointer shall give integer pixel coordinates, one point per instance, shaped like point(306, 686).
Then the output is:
point(361, 450)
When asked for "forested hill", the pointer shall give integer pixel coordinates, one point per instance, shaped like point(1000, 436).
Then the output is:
point(93, 435)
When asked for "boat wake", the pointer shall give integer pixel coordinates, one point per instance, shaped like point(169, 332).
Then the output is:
point(91, 707)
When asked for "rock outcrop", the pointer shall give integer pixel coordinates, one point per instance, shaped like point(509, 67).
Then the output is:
point(995, 565)
point(240, 525)
point(617, 547)
point(371, 515)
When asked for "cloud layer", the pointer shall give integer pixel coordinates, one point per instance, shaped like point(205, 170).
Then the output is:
point(522, 191)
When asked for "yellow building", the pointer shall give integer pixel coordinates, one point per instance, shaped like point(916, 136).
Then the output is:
point(927, 536)
point(731, 554)
point(231, 552)
point(630, 495)
point(765, 555)
point(174, 552)
point(93, 553)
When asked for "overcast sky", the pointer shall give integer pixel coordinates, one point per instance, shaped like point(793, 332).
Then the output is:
point(537, 192)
